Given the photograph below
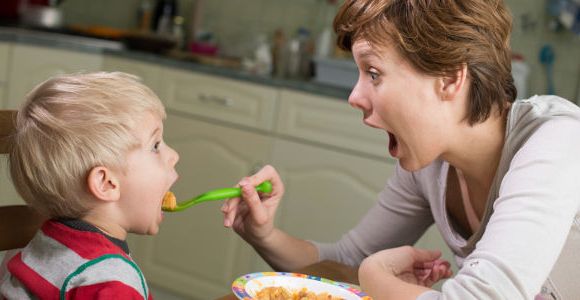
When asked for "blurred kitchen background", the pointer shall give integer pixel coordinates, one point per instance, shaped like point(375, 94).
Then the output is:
point(245, 83)
point(545, 40)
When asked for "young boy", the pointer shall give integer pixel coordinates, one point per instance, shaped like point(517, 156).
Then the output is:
point(89, 154)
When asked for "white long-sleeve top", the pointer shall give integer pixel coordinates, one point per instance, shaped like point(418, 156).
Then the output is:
point(529, 240)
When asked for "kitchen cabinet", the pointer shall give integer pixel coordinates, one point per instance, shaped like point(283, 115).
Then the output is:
point(31, 65)
point(216, 98)
point(7, 193)
point(329, 121)
point(327, 191)
point(326, 158)
point(148, 72)
point(5, 49)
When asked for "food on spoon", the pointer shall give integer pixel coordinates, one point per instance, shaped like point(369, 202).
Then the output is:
point(280, 293)
point(169, 201)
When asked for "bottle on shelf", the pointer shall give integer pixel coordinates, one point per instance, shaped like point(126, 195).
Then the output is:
point(178, 32)
point(300, 51)
point(144, 16)
point(165, 11)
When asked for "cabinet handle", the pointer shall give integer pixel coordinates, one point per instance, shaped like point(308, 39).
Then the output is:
point(223, 101)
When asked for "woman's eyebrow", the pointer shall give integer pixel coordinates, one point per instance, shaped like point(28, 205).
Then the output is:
point(367, 53)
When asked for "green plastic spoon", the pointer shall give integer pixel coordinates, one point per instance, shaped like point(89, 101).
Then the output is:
point(218, 194)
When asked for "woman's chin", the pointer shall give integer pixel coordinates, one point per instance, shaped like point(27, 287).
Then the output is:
point(410, 165)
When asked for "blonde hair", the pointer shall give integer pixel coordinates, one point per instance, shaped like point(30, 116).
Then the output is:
point(438, 37)
point(70, 124)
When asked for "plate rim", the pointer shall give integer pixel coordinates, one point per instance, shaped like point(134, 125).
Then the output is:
point(238, 285)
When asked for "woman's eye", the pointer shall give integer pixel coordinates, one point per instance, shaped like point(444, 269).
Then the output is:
point(156, 147)
point(373, 75)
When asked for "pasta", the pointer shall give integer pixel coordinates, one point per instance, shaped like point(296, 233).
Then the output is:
point(280, 293)
point(169, 201)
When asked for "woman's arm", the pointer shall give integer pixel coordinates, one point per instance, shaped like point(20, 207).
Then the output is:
point(401, 273)
point(399, 218)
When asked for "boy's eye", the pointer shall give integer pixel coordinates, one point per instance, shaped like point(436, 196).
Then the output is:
point(156, 147)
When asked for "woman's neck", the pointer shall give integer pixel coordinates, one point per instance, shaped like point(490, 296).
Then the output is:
point(477, 151)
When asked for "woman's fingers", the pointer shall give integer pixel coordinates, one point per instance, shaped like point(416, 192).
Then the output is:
point(431, 271)
point(229, 209)
point(252, 200)
point(268, 173)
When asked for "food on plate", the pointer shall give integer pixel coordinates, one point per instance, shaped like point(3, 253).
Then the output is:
point(280, 293)
point(169, 201)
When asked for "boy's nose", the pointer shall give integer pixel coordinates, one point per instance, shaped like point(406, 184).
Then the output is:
point(173, 157)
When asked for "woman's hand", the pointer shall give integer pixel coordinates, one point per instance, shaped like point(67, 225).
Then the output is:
point(402, 272)
point(252, 215)
point(431, 272)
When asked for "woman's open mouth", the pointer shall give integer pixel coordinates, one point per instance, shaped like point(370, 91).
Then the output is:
point(393, 144)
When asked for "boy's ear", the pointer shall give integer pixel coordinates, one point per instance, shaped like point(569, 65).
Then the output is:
point(103, 184)
point(452, 85)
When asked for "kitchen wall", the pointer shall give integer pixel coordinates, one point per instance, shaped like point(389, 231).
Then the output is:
point(530, 33)
point(236, 23)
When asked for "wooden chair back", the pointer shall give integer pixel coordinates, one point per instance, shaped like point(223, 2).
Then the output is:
point(18, 223)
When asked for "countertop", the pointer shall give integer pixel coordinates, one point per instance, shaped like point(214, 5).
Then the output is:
point(64, 40)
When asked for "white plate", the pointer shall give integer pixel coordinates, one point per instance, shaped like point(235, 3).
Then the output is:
point(247, 287)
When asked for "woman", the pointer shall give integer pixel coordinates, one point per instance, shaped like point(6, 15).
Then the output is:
point(498, 177)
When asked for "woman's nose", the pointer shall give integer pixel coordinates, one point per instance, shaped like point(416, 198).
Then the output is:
point(355, 98)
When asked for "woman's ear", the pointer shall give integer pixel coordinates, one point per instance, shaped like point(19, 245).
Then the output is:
point(453, 85)
point(103, 184)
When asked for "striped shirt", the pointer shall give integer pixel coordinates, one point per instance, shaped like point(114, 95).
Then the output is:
point(71, 259)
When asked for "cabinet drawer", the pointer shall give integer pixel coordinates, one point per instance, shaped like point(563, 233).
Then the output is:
point(4, 57)
point(328, 121)
point(217, 98)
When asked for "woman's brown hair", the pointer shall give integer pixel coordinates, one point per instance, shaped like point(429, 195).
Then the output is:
point(438, 37)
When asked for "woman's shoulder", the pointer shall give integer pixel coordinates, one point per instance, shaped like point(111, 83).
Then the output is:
point(542, 107)
point(527, 115)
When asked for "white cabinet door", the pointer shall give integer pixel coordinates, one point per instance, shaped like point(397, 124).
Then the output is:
point(329, 121)
point(329, 184)
point(327, 192)
point(31, 65)
point(148, 72)
point(7, 193)
point(4, 63)
point(194, 254)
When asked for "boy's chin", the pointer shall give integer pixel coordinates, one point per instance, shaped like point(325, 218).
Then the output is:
point(152, 231)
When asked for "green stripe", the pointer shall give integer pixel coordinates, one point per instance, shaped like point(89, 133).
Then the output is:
point(96, 261)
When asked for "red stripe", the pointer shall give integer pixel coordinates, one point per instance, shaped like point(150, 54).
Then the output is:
point(105, 290)
point(35, 283)
point(88, 245)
